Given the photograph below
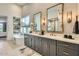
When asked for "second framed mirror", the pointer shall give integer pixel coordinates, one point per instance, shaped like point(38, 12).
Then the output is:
point(37, 21)
point(55, 18)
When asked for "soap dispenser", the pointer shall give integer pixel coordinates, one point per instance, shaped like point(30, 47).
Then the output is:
point(42, 32)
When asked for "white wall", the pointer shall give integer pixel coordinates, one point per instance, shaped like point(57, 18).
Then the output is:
point(10, 10)
point(68, 28)
point(34, 8)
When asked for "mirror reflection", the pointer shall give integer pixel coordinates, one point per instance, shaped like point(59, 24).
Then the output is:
point(37, 21)
point(55, 18)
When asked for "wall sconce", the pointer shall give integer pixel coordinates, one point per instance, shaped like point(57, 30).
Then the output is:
point(69, 17)
point(43, 21)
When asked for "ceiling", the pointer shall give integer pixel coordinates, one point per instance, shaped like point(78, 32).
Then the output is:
point(22, 4)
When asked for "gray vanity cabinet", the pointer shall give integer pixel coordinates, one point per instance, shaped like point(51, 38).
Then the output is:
point(39, 45)
point(33, 42)
point(52, 46)
point(60, 51)
point(26, 40)
point(45, 46)
point(30, 41)
point(36, 43)
point(67, 49)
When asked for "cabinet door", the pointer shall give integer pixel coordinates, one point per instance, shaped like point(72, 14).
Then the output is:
point(33, 43)
point(45, 46)
point(36, 43)
point(60, 51)
point(52, 47)
point(26, 40)
point(30, 41)
point(39, 45)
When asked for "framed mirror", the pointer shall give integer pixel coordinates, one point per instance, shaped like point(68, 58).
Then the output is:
point(37, 21)
point(55, 18)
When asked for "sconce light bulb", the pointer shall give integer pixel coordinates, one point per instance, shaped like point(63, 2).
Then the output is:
point(69, 16)
point(44, 21)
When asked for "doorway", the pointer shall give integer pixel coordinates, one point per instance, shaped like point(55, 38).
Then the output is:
point(3, 27)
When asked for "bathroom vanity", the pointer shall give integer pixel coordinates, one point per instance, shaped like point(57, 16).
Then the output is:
point(48, 45)
point(52, 45)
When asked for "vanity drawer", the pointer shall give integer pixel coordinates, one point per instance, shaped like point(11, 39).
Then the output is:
point(61, 51)
point(68, 45)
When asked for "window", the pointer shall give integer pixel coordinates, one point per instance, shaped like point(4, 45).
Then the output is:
point(3, 24)
point(25, 25)
point(1, 27)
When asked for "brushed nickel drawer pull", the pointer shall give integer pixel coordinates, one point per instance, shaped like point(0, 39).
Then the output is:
point(65, 53)
point(66, 45)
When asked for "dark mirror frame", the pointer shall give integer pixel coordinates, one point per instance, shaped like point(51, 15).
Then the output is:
point(62, 18)
point(40, 20)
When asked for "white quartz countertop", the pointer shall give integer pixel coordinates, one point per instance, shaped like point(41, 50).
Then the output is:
point(59, 38)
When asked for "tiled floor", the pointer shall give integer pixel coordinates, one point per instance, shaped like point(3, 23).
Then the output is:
point(10, 48)
point(2, 47)
point(6, 47)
